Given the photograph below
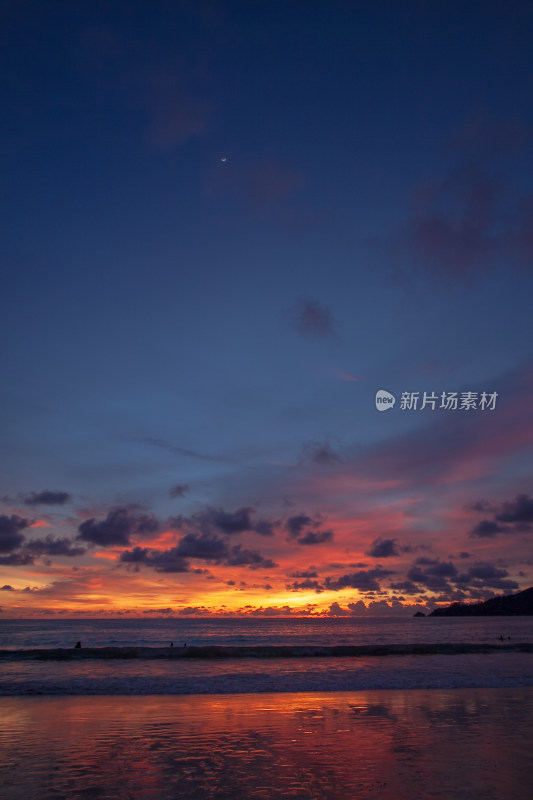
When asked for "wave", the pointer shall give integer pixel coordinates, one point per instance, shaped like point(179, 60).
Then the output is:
point(261, 651)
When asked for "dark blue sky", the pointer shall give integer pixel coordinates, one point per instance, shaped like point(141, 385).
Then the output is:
point(228, 224)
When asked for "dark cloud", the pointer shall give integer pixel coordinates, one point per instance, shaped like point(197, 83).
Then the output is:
point(225, 521)
point(320, 453)
point(364, 580)
point(383, 548)
point(160, 560)
point(482, 506)
point(307, 584)
point(182, 451)
point(193, 611)
point(315, 537)
point(312, 319)
point(216, 520)
point(487, 576)
point(203, 546)
point(53, 547)
point(239, 556)
point(6, 588)
point(162, 611)
point(407, 587)
point(179, 490)
point(10, 535)
point(17, 560)
point(136, 556)
point(296, 524)
point(487, 529)
point(47, 498)
point(442, 576)
point(306, 573)
point(271, 611)
point(517, 514)
point(518, 510)
point(335, 610)
point(432, 574)
point(117, 529)
point(264, 527)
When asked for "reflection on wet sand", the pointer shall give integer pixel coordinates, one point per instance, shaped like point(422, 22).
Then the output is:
point(463, 743)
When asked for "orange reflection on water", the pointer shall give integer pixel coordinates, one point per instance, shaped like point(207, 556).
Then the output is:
point(390, 744)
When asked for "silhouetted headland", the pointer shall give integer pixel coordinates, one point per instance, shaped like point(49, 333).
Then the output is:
point(512, 605)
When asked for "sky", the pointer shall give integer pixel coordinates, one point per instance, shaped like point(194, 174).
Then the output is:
point(266, 330)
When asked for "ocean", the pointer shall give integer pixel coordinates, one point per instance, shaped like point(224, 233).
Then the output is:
point(266, 709)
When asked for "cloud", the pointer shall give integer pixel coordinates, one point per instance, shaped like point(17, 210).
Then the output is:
point(306, 573)
point(17, 560)
point(160, 560)
point(320, 453)
point(239, 556)
point(487, 529)
point(272, 611)
point(194, 611)
point(226, 522)
point(306, 585)
point(194, 546)
point(442, 576)
point(315, 537)
point(117, 529)
point(312, 319)
point(47, 498)
point(335, 610)
point(53, 547)
point(432, 573)
point(179, 490)
point(364, 580)
point(481, 576)
point(6, 588)
point(474, 219)
point(204, 546)
point(183, 451)
point(517, 514)
point(383, 548)
point(518, 510)
point(10, 536)
point(297, 523)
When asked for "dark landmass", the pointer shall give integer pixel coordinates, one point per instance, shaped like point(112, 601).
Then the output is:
point(262, 651)
point(511, 605)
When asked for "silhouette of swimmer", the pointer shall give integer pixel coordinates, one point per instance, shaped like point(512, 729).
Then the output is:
point(185, 644)
point(78, 644)
point(171, 644)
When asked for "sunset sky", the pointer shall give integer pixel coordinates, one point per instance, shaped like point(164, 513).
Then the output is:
point(227, 224)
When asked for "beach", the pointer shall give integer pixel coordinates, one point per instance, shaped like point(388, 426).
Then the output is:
point(322, 710)
point(407, 745)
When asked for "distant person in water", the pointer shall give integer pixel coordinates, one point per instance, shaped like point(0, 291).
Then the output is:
point(171, 644)
point(78, 644)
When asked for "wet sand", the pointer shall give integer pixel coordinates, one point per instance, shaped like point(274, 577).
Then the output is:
point(401, 745)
